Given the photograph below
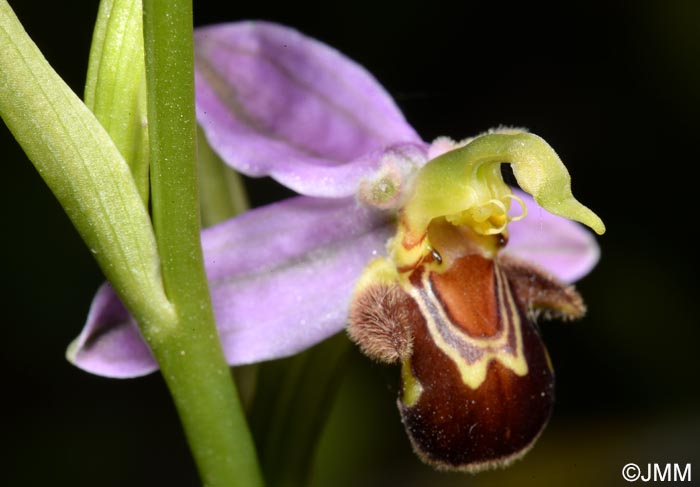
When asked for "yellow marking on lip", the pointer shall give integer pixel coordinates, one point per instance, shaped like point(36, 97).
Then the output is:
point(412, 388)
point(473, 375)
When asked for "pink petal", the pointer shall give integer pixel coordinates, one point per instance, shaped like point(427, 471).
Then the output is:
point(563, 247)
point(281, 278)
point(110, 343)
point(275, 102)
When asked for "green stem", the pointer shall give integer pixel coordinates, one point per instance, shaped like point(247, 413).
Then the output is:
point(189, 355)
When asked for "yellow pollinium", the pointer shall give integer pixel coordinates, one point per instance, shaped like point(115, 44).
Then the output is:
point(465, 186)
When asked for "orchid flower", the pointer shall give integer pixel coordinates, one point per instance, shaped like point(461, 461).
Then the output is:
point(421, 249)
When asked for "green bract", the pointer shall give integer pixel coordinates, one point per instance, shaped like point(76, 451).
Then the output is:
point(115, 89)
point(84, 169)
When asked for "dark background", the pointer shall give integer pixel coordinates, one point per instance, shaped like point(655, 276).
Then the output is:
point(612, 86)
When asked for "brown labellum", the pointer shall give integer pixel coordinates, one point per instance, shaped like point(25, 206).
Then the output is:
point(478, 387)
point(543, 295)
point(496, 416)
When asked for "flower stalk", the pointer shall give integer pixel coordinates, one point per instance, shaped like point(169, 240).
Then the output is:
point(189, 354)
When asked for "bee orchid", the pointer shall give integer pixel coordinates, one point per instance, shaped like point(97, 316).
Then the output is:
point(420, 249)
